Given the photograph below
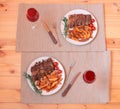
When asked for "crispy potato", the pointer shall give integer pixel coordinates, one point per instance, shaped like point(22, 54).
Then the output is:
point(50, 81)
point(53, 73)
point(53, 79)
point(80, 33)
point(54, 83)
point(54, 87)
point(43, 86)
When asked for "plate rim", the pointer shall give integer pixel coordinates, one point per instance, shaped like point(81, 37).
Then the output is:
point(40, 59)
point(73, 42)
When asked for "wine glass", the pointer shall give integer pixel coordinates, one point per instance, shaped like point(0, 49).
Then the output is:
point(32, 15)
point(89, 76)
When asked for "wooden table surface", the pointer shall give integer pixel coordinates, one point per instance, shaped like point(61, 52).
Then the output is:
point(10, 60)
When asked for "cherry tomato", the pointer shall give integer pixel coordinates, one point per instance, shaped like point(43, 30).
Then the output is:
point(93, 28)
point(92, 20)
point(59, 71)
point(56, 68)
point(55, 64)
point(91, 25)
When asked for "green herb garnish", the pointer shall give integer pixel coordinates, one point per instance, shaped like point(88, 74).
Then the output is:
point(32, 83)
point(65, 20)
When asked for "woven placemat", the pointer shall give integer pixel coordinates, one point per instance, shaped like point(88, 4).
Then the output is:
point(81, 92)
point(37, 39)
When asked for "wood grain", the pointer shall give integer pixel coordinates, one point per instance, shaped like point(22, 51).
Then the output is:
point(10, 60)
point(9, 95)
point(55, 106)
point(10, 82)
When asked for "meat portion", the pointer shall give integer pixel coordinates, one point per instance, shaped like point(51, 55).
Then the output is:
point(71, 21)
point(41, 69)
point(78, 20)
point(82, 20)
point(88, 19)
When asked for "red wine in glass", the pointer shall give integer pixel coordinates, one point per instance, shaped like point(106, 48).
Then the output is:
point(32, 14)
point(89, 76)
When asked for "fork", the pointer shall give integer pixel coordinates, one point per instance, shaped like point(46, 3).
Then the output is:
point(71, 67)
point(55, 28)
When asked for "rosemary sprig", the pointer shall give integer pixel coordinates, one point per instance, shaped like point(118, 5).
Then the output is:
point(32, 83)
point(65, 20)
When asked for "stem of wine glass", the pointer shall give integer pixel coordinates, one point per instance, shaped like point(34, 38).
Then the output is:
point(36, 25)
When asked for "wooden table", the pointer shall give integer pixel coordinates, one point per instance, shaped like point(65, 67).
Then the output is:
point(10, 59)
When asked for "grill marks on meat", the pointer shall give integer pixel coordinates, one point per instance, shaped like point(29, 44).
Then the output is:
point(78, 20)
point(88, 19)
point(41, 69)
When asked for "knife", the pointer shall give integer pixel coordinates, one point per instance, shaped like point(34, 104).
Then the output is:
point(49, 32)
point(70, 84)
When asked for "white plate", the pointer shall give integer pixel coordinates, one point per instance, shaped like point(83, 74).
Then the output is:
point(60, 67)
point(79, 11)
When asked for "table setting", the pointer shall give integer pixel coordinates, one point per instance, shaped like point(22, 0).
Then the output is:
point(63, 54)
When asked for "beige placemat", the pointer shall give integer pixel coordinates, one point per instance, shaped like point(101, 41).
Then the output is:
point(97, 92)
point(39, 40)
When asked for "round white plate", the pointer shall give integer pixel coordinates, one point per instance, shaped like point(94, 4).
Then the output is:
point(60, 67)
point(79, 11)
